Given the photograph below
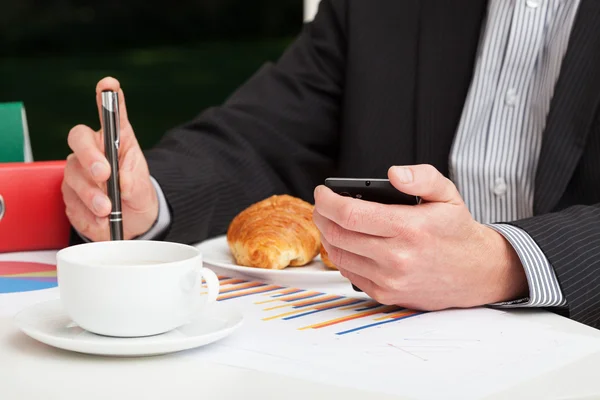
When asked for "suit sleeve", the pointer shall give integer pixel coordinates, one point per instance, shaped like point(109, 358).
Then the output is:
point(277, 134)
point(570, 240)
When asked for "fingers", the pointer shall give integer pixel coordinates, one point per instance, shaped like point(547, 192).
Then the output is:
point(347, 260)
point(424, 181)
point(357, 243)
point(84, 143)
point(88, 191)
point(376, 292)
point(361, 216)
point(82, 219)
point(362, 283)
point(113, 85)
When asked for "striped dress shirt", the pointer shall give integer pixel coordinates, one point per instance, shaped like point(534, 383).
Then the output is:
point(494, 157)
point(496, 149)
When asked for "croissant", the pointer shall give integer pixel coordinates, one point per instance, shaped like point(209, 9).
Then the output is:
point(326, 260)
point(275, 233)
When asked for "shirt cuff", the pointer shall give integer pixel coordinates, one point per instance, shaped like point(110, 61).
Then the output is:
point(163, 220)
point(544, 289)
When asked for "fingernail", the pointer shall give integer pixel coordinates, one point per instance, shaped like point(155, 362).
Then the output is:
point(403, 174)
point(317, 190)
point(101, 203)
point(97, 169)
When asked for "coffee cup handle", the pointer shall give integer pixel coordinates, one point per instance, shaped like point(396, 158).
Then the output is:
point(212, 282)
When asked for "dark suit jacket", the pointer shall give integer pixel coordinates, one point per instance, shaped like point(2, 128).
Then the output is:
point(370, 84)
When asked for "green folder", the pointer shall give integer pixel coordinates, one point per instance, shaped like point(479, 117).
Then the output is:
point(14, 134)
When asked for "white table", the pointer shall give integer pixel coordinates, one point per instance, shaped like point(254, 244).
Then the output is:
point(31, 370)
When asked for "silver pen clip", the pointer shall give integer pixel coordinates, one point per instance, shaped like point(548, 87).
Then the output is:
point(110, 101)
point(117, 120)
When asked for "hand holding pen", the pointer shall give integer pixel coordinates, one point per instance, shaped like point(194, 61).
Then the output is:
point(88, 176)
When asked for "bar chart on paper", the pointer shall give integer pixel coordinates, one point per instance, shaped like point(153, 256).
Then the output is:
point(356, 342)
point(311, 310)
point(23, 276)
point(282, 320)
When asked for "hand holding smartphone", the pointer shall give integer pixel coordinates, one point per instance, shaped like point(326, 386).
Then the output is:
point(375, 190)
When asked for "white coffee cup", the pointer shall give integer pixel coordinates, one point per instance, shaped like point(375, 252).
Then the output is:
point(131, 288)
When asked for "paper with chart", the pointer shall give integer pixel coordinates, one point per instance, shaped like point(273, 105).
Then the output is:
point(356, 342)
point(352, 341)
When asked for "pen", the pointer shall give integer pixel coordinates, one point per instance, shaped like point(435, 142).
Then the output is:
point(110, 126)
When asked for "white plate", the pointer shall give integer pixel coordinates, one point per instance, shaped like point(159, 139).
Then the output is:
point(48, 323)
point(216, 253)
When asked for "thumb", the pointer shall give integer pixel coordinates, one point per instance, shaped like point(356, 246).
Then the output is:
point(111, 84)
point(426, 182)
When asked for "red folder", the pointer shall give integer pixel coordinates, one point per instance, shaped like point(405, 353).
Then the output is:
point(31, 207)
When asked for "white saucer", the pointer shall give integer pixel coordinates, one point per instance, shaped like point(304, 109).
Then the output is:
point(48, 323)
point(216, 253)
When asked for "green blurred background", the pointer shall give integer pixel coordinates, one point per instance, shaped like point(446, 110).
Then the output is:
point(190, 54)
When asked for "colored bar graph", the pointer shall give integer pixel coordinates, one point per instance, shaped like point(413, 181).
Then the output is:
point(327, 307)
point(370, 307)
point(242, 286)
point(277, 297)
point(407, 314)
point(289, 291)
point(394, 315)
point(296, 304)
point(231, 281)
point(281, 316)
point(315, 309)
point(349, 317)
point(366, 306)
point(305, 295)
point(243, 293)
point(319, 300)
point(289, 304)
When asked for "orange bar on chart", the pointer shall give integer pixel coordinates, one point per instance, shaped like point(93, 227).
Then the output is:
point(243, 286)
point(299, 296)
point(335, 304)
point(281, 292)
point(231, 281)
point(255, 290)
point(304, 303)
point(396, 315)
point(350, 317)
point(287, 314)
point(363, 305)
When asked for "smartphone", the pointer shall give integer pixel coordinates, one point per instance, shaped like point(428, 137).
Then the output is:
point(375, 190)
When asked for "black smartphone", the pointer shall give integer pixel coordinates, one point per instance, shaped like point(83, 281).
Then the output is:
point(375, 190)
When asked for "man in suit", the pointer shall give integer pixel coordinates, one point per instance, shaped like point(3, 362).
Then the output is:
point(487, 110)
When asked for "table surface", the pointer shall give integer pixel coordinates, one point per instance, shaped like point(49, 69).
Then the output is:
point(31, 370)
